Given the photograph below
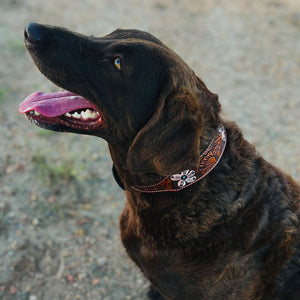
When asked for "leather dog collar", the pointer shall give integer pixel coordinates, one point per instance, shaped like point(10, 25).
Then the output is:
point(208, 160)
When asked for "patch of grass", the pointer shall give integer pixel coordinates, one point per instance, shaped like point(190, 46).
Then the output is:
point(36, 86)
point(3, 92)
point(45, 212)
point(59, 211)
point(58, 171)
point(2, 224)
point(17, 46)
point(44, 132)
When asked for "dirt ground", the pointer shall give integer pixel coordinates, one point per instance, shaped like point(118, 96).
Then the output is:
point(59, 205)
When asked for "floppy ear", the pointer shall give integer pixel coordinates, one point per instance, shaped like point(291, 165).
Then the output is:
point(170, 141)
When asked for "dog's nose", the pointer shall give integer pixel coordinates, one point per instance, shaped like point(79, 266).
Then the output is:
point(33, 33)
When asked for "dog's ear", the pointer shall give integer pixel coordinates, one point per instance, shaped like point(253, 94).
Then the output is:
point(170, 141)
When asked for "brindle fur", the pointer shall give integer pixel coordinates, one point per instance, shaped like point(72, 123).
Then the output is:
point(234, 234)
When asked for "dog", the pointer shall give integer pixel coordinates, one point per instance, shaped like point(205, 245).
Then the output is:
point(206, 216)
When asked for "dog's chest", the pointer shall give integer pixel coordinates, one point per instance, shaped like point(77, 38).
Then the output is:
point(155, 261)
point(177, 274)
point(157, 267)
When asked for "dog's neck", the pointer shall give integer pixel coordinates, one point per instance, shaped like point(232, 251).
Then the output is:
point(208, 160)
point(176, 182)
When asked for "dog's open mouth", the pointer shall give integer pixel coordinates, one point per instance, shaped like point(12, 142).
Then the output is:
point(61, 108)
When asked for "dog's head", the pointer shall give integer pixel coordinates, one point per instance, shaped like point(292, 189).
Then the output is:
point(126, 87)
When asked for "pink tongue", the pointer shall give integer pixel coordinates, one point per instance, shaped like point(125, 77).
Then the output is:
point(54, 104)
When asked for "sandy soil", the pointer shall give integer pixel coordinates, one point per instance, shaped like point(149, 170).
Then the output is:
point(59, 205)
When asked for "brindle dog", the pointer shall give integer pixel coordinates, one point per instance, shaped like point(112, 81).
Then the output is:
point(234, 234)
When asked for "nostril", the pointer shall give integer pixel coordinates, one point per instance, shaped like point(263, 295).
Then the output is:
point(25, 34)
point(32, 33)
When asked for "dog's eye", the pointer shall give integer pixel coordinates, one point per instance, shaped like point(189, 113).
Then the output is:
point(117, 63)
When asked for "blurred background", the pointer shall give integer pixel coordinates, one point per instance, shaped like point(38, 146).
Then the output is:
point(59, 205)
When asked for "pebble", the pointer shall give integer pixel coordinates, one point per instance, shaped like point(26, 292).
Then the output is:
point(28, 289)
point(35, 222)
point(14, 245)
point(11, 215)
point(70, 278)
point(95, 281)
point(13, 290)
point(49, 265)
point(101, 260)
point(118, 272)
point(80, 232)
point(4, 207)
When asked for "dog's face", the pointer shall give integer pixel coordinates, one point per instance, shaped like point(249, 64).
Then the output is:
point(117, 88)
point(122, 74)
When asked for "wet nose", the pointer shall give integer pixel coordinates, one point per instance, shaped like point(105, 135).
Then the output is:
point(33, 33)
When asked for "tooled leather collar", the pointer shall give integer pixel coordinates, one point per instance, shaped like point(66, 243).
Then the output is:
point(177, 182)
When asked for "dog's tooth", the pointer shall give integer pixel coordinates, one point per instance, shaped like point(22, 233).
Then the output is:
point(89, 114)
point(76, 115)
point(84, 115)
point(93, 114)
point(36, 113)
